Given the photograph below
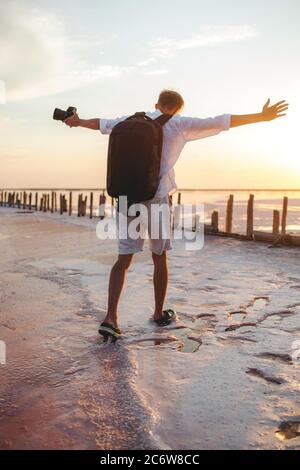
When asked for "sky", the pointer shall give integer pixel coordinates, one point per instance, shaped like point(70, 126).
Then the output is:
point(113, 58)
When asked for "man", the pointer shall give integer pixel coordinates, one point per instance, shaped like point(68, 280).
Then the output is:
point(177, 132)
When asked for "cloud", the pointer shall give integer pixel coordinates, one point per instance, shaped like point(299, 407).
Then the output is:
point(2, 92)
point(207, 36)
point(155, 72)
point(146, 62)
point(39, 59)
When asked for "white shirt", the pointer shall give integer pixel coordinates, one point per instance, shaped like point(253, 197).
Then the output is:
point(177, 132)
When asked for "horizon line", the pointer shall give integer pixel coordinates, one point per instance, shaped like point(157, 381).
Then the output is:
point(178, 190)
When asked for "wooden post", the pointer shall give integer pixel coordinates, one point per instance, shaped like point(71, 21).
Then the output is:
point(215, 221)
point(284, 215)
point(79, 205)
point(30, 201)
point(70, 203)
point(45, 203)
point(82, 206)
point(24, 199)
point(179, 199)
point(60, 204)
point(102, 201)
point(276, 222)
point(195, 222)
point(41, 203)
point(250, 210)
point(5, 196)
point(36, 201)
point(48, 202)
point(91, 205)
point(229, 213)
point(176, 217)
point(52, 202)
point(55, 201)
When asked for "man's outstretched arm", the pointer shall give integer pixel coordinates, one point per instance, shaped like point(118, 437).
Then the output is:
point(268, 114)
point(76, 121)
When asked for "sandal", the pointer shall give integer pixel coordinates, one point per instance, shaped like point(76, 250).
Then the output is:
point(167, 317)
point(109, 332)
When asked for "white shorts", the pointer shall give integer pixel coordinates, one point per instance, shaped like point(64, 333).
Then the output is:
point(153, 222)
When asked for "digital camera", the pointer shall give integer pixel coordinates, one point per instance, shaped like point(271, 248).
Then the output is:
point(61, 115)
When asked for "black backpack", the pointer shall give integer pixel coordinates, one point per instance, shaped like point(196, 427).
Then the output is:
point(134, 155)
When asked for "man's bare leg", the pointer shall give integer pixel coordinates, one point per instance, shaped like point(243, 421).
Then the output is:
point(160, 281)
point(116, 283)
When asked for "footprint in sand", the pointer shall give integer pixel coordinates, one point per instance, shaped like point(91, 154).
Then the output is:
point(263, 375)
point(157, 340)
point(247, 314)
point(285, 358)
point(257, 304)
point(188, 342)
point(269, 319)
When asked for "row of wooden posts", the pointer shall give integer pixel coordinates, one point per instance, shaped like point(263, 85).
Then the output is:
point(48, 202)
point(277, 228)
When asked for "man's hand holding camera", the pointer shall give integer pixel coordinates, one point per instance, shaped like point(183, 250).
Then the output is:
point(70, 118)
point(73, 121)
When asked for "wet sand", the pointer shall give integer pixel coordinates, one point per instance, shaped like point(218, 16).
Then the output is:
point(223, 377)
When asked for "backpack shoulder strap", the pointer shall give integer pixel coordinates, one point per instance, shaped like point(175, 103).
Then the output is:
point(163, 118)
point(139, 115)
